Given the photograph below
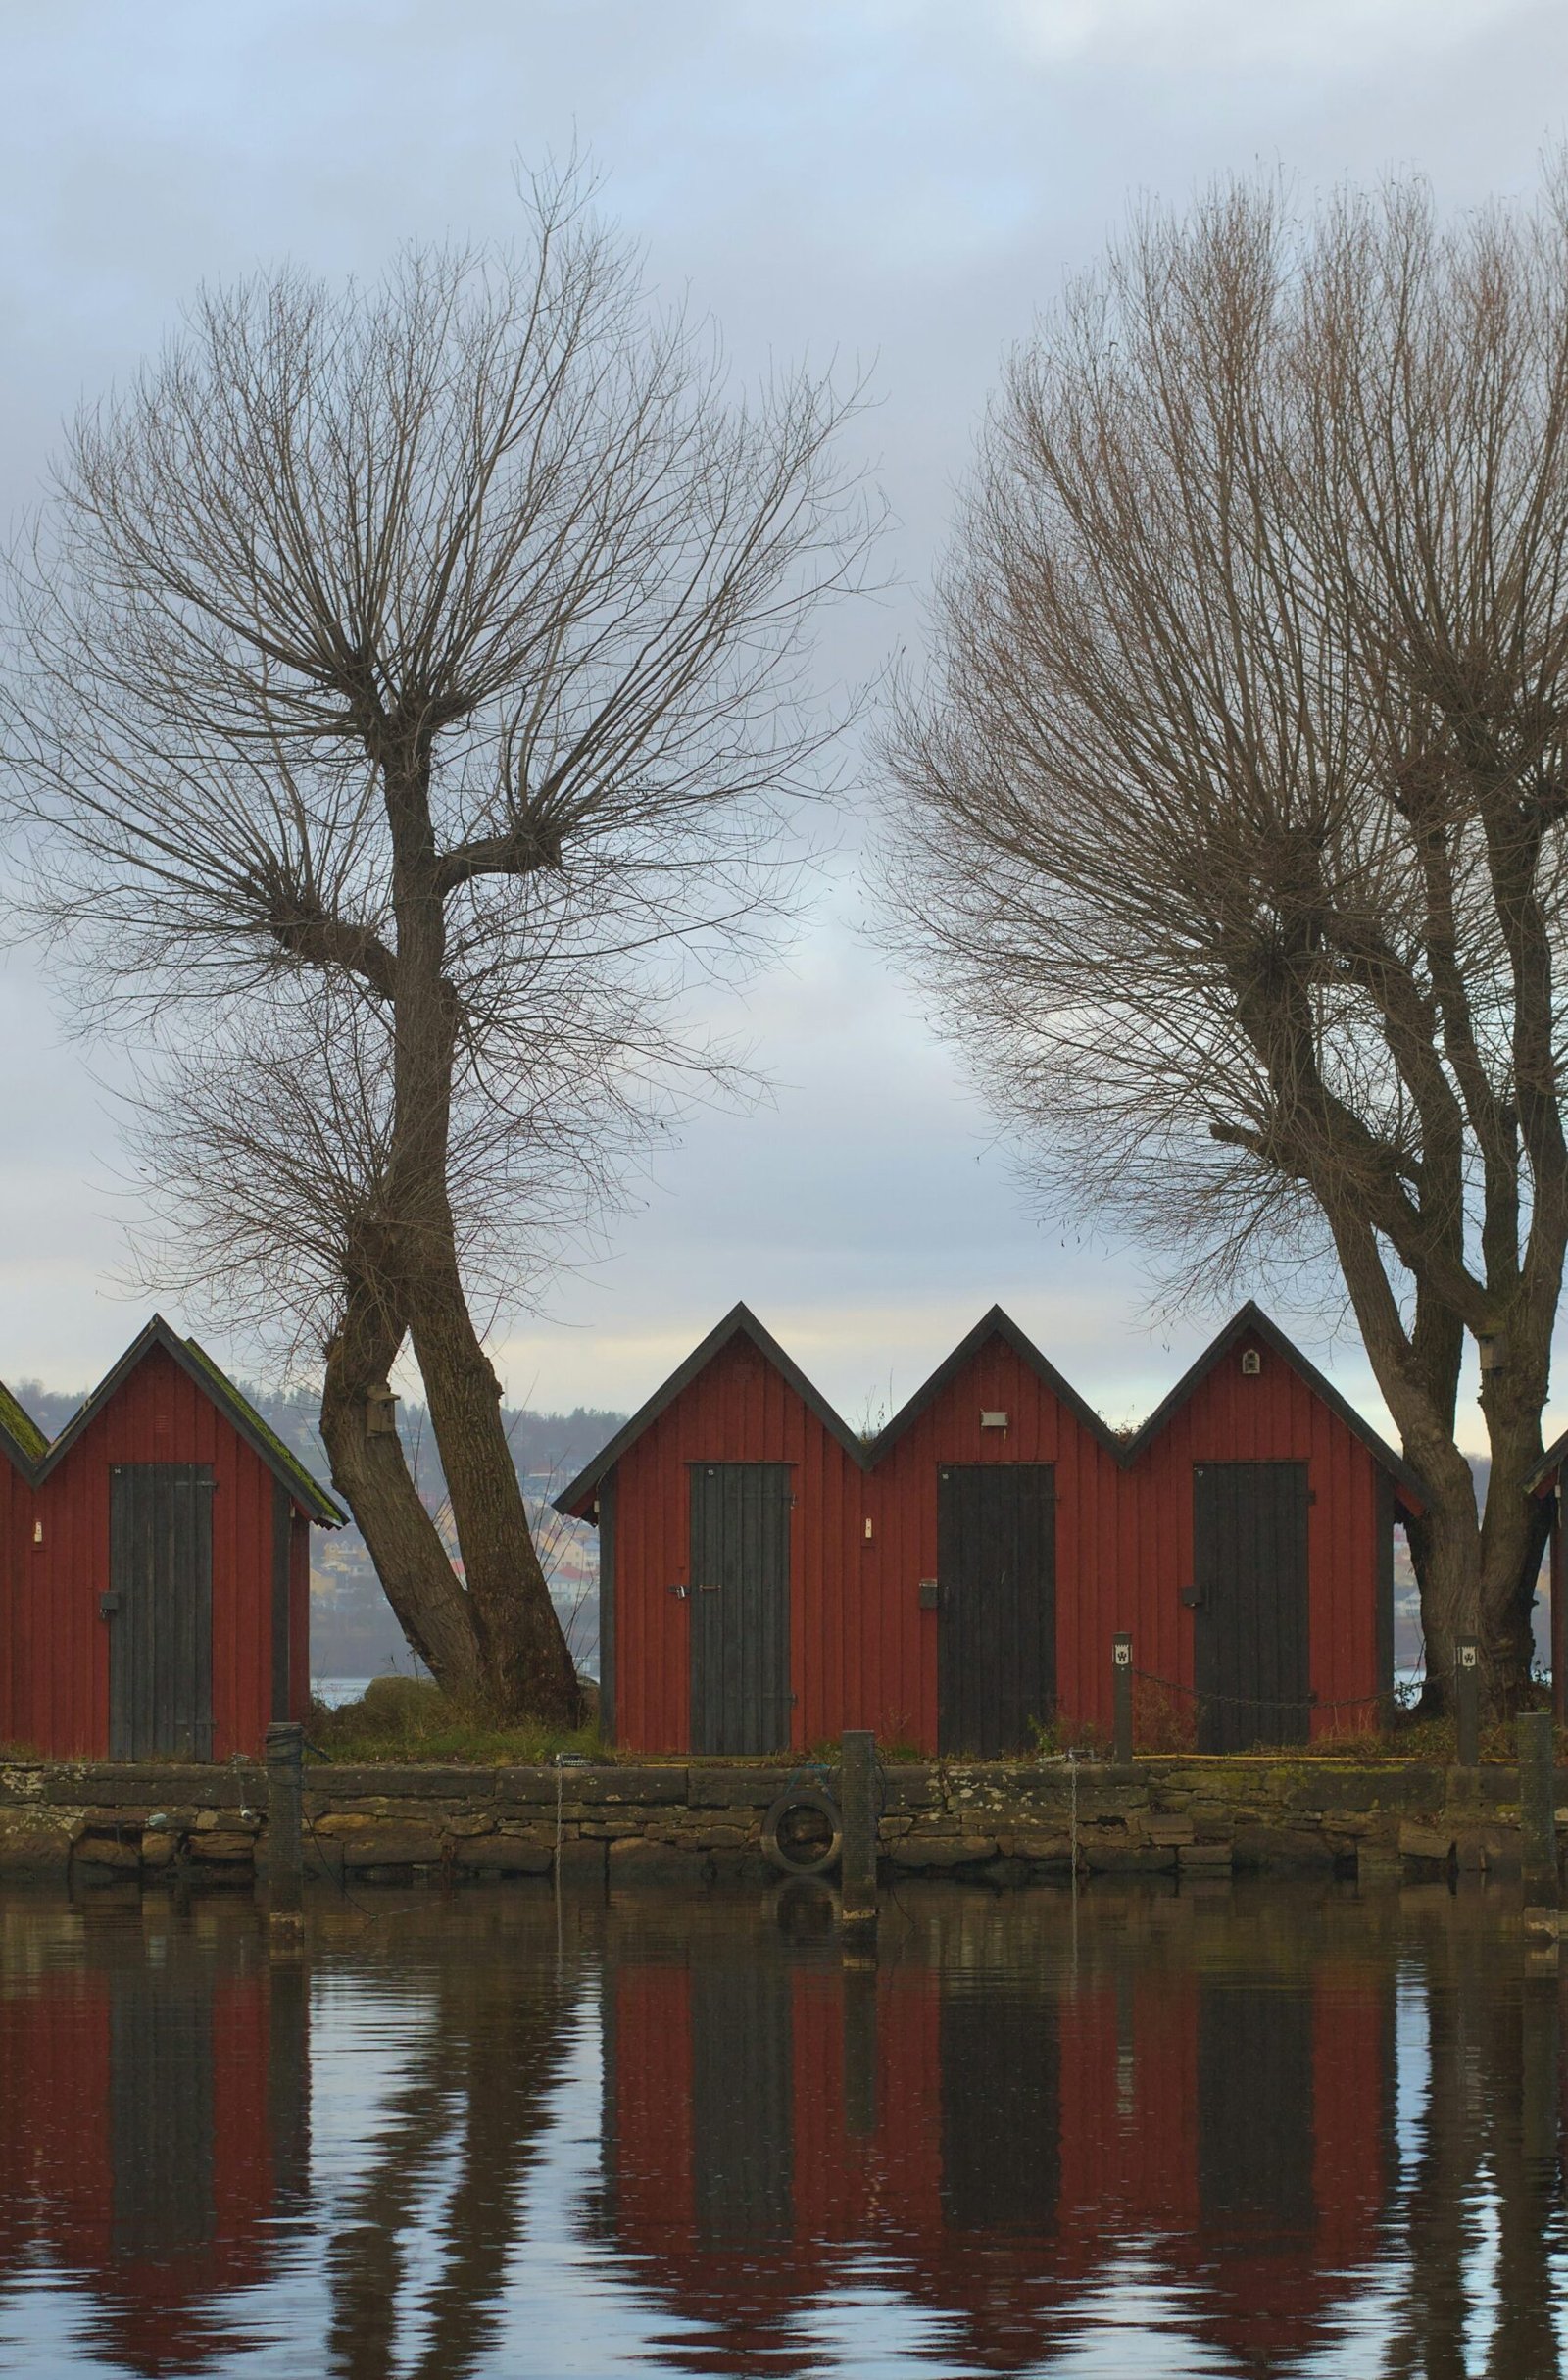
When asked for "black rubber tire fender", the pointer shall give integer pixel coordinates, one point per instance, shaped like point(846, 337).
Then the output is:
point(804, 1796)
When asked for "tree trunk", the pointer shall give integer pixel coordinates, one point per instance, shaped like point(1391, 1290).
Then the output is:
point(1514, 1531)
point(527, 1664)
point(369, 1472)
point(1445, 1551)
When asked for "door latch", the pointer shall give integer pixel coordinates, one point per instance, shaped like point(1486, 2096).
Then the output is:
point(1193, 1598)
point(108, 1605)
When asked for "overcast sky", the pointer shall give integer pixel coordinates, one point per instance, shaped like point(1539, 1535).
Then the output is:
point(896, 182)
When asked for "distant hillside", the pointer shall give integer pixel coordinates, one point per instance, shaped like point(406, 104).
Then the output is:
point(353, 1630)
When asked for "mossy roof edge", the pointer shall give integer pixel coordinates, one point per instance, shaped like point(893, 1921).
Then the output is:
point(284, 1459)
point(18, 1425)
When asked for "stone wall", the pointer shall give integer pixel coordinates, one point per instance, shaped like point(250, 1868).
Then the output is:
point(699, 1822)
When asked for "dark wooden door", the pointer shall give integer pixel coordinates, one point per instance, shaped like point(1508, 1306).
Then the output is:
point(997, 1605)
point(160, 1612)
point(740, 1607)
point(1250, 1661)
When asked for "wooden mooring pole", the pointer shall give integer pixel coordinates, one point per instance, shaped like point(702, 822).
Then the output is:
point(857, 1808)
point(1121, 1671)
point(1538, 1825)
point(285, 1849)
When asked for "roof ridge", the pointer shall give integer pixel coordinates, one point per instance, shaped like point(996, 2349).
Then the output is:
point(210, 1377)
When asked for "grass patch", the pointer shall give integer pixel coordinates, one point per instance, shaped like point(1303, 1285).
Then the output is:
point(409, 1719)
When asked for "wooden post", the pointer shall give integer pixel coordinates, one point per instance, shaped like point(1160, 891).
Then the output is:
point(1121, 1671)
point(858, 1804)
point(1537, 1822)
point(285, 1855)
point(1467, 1701)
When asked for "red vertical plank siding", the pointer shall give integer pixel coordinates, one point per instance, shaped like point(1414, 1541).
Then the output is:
point(1089, 1484)
point(863, 1652)
point(56, 1666)
point(16, 1502)
point(738, 1410)
point(299, 1615)
point(1272, 1417)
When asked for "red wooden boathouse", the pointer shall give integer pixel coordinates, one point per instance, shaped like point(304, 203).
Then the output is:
point(769, 1578)
point(155, 1573)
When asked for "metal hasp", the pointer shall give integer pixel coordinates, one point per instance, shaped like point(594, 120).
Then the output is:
point(857, 1802)
point(1537, 1827)
point(1467, 1699)
point(1121, 1672)
point(285, 1850)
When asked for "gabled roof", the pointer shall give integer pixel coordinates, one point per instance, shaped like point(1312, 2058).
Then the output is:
point(994, 1325)
point(284, 1465)
point(739, 1323)
point(1250, 1321)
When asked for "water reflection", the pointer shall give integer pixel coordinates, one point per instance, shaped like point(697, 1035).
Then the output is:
point(1217, 2099)
point(1230, 2133)
point(154, 2117)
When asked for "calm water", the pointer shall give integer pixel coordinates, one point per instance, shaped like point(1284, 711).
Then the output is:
point(1220, 2132)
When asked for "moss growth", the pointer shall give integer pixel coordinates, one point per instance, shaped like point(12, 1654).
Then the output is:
point(411, 1719)
point(285, 1459)
point(16, 1418)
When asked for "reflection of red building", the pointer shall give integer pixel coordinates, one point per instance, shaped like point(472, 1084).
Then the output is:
point(991, 2152)
point(153, 2129)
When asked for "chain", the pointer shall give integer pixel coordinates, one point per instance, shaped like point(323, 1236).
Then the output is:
point(1264, 1702)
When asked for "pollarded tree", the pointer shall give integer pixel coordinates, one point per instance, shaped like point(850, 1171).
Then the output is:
point(1228, 834)
point(411, 687)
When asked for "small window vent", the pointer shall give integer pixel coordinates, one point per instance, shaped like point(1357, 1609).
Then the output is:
point(993, 1421)
point(1252, 1363)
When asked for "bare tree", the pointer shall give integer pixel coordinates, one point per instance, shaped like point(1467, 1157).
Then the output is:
point(1229, 836)
point(412, 689)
